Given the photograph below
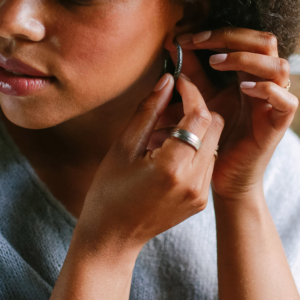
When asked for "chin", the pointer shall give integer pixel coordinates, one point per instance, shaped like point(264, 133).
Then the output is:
point(31, 118)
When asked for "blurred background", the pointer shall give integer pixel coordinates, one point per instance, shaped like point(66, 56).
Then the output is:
point(295, 88)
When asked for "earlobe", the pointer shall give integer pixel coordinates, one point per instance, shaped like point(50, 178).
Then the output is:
point(171, 36)
point(193, 17)
point(169, 42)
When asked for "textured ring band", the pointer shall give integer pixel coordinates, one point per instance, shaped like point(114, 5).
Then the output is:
point(288, 86)
point(179, 61)
point(216, 154)
point(187, 137)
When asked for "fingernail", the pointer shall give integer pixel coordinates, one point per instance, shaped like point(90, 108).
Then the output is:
point(218, 58)
point(185, 77)
point(184, 38)
point(248, 85)
point(202, 37)
point(162, 83)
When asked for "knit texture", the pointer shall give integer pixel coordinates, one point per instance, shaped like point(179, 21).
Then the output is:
point(179, 264)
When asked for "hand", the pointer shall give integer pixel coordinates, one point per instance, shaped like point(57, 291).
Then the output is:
point(255, 118)
point(139, 193)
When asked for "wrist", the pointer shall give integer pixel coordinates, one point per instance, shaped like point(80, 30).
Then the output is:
point(255, 194)
point(113, 244)
point(236, 209)
point(96, 268)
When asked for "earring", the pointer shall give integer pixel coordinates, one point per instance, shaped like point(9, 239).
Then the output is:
point(165, 66)
point(179, 62)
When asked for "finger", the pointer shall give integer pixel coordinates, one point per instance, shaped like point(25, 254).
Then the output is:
point(209, 142)
point(231, 38)
point(196, 120)
point(136, 135)
point(263, 66)
point(201, 187)
point(207, 180)
point(192, 68)
point(158, 137)
point(171, 116)
point(284, 104)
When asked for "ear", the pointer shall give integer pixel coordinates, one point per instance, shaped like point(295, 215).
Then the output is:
point(194, 16)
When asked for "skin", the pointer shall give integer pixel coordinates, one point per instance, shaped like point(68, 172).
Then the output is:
point(109, 138)
point(101, 73)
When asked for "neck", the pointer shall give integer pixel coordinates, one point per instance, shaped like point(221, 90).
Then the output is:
point(88, 137)
point(66, 156)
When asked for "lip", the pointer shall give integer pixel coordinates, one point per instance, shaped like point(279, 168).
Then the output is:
point(16, 65)
point(21, 85)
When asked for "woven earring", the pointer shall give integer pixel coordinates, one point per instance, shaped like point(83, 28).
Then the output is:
point(179, 62)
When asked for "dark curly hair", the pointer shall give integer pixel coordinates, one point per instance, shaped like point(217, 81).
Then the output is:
point(278, 17)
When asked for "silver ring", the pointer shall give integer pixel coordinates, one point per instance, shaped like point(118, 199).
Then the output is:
point(216, 154)
point(187, 137)
point(287, 88)
point(179, 61)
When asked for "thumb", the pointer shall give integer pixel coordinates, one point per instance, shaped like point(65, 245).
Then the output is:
point(135, 137)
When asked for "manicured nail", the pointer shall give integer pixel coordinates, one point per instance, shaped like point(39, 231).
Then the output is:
point(201, 37)
point(162, 83)
point(218, 58)
point(248, 85)
point(184, 38)
point(185, 77)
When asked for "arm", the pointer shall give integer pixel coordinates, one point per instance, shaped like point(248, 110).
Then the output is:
point(138, 193)
point(96, 271)
point(251, 259)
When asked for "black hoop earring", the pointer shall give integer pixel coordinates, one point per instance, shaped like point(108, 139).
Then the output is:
point(179, 62)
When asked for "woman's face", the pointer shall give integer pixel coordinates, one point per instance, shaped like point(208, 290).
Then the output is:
point(95, 51)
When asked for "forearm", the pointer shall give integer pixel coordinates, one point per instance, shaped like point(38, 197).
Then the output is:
point(252, 263)
point(100, 271)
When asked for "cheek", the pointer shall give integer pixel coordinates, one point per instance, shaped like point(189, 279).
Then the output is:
point(107, 56)
point(96, 57)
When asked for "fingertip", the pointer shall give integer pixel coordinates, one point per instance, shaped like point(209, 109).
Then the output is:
point(182, 81)
point(169, 43)
point(163, 82)
point(247, 85)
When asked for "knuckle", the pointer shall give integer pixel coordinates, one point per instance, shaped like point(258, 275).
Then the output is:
point(273, 42)
point(199, 204)
point(241, 58)
point(284, 67)
point(218, 120)
point(170, 175)
point(147, 104)
point(227, 32)
point(202, 116)
point(193, 192)
point(122, 148)
point(294, 103)
point(269, 87)
point(270, 40)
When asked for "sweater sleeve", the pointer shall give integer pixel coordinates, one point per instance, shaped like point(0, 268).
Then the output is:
point(18, 280)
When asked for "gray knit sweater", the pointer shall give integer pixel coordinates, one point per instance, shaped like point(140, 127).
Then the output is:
point(179, 264)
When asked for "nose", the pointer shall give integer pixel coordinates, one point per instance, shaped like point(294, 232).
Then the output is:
point(18, 19)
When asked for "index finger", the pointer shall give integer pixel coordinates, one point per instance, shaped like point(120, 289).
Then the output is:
point(192, 67)
point(232, 39)
point(196, 120)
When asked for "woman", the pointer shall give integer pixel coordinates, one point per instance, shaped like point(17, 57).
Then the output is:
point(86, 74)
